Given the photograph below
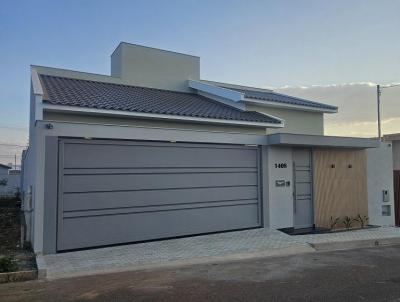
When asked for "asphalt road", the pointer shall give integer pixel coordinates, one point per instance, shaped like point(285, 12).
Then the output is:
point(371, 274)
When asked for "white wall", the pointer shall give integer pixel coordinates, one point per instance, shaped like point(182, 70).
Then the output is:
point(151, 67)
point(296, 121)
point(379, 178)
point(280, 198)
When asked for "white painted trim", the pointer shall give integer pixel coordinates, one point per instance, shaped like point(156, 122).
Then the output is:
point(61, 108)
point(229, 94)
point(264, 103)
point(36, 85)
point(37, 94)
point(228, 85)
point(39, 107)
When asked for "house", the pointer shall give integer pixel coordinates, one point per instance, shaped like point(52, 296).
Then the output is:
point(394, 139)
point(10, 181)
point(4, 169)
point(154, 151)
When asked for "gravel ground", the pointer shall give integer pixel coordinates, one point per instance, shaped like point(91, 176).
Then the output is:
point(10, 234)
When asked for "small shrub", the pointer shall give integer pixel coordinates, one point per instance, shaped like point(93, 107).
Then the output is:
point(362, 220)
point(7, 264)
point(347, 221)
point(334, 222)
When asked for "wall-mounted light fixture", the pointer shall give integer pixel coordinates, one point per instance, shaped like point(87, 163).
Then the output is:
point(333, 166)
point(350, 166)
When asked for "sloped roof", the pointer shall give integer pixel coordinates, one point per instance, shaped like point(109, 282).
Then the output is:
point(101, 95)
point(280, 98)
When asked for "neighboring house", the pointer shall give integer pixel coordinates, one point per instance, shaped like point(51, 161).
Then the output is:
point(394, 139)
point(153, 151)
point(10, 181)
point(4, 169)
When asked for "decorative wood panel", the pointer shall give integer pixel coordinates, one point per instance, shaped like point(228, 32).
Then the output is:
point(340, 185)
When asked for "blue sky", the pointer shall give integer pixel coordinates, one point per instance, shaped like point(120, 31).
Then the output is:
point(258, 43)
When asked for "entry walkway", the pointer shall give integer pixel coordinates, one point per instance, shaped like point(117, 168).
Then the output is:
point(228, 246)
point(190, 250)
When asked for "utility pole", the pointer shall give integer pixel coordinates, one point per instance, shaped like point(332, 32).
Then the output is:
point(15, 161)
point(378, 96)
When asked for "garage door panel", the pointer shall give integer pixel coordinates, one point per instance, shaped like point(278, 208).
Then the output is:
point(113, 192)
point(85, 201)
point(152, 208)
point(156, 155)
point(124, 228)
point(104, 183)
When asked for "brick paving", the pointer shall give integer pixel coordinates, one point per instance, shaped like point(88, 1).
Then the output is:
point(256, 242)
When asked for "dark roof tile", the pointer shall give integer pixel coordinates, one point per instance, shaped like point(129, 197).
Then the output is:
point(280, 98)
point(100, 95)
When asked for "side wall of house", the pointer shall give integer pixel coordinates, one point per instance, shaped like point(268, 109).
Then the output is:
point(296, 121)
point(380, 179)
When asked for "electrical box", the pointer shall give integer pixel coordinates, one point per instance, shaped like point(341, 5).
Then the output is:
point(386, 196)
point(386, 210)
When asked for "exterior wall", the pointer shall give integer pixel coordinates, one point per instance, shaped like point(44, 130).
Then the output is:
point(339, 191)
point(380, 177)
point(35, 161)
point(52, 116)
point(396, 155)
point(280, 198)
point(296, 121)
point(150, 67)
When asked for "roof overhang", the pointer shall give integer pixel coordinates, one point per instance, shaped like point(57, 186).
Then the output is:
point(93, 111)
point(264, 103)
point(320, 141)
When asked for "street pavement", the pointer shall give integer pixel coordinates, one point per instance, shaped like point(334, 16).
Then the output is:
point(369, 274)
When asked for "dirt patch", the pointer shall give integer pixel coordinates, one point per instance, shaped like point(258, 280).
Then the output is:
point(10, 236)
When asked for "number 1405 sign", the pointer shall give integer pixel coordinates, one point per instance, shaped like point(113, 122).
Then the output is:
point(281, 165)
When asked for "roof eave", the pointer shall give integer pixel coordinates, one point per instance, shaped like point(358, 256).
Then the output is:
point(93, 111)
point(265, 103)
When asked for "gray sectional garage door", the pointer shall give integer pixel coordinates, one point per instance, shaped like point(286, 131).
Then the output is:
point(114, 192)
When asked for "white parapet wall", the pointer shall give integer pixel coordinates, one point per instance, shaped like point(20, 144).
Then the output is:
point(380, 179)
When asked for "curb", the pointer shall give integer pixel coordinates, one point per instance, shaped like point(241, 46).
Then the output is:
point(18, 276)
point(347, 245)
point(287, 251)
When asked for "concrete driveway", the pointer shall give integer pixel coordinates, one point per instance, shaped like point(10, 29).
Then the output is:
point(370, 274)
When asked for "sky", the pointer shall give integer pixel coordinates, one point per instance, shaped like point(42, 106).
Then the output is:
point(330, 51)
